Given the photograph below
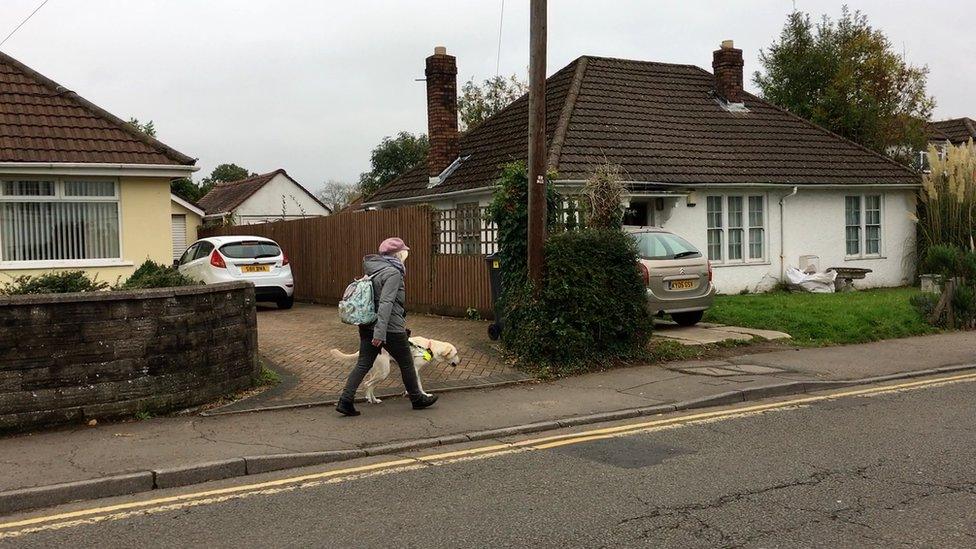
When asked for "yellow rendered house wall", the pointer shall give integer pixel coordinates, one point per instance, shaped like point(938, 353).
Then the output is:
point(145, 210)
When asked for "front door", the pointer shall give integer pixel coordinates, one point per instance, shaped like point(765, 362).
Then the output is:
point(637, 214)
point(179, 235)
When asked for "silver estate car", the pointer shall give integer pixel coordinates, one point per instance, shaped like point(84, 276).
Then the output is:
point(677, 275)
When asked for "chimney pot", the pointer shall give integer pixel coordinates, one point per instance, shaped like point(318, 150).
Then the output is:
point(442, 114)
point(727, 65)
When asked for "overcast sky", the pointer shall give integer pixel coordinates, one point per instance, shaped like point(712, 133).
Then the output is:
point(312, 86)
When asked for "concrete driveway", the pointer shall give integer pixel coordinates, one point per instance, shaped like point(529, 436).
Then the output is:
point(705, 333)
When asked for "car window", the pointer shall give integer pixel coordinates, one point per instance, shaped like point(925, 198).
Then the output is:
point(203, 250)
point(664, 246)
point(254, 249)
point(188, 254)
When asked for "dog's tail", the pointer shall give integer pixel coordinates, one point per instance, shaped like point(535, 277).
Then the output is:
point(340, 355)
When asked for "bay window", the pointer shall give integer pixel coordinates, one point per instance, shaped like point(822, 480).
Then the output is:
point(59, 221)
point(736, 228)
point(862, 225)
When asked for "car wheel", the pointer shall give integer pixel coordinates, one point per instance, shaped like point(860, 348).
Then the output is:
point(688, 319)
point(286, 303)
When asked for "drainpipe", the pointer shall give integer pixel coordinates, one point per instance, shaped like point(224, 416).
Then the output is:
point(782, 234)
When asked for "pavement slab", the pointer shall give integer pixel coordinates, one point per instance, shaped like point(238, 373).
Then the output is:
point(170, 444)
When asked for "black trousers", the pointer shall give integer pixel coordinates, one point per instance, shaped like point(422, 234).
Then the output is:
point(399, 348)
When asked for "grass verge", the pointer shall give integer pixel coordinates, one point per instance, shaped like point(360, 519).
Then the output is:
point(815, 320)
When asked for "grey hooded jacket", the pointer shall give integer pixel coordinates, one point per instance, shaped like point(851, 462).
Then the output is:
point(389, 293)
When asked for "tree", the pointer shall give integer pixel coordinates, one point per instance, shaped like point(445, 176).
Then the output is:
point(477, 103)
point(148, 128)
point(336, 194)
point(391, 158)
point(185, 188)
point(223, 173)
point(844, 76)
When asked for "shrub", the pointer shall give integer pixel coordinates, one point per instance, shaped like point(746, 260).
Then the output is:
point(53, 283)
point(153, 275)
point(590, 312)
point(956, 307)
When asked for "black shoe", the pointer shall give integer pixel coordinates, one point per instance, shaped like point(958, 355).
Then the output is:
point(423, 401)
point(346, 408)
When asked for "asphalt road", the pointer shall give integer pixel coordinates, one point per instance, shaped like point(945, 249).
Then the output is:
point(889, 469)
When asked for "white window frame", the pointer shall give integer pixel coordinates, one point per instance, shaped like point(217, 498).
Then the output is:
point(863, 226)
point(59, 196)
point(744, 226)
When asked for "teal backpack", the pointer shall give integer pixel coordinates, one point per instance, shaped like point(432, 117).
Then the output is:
point(357, 306)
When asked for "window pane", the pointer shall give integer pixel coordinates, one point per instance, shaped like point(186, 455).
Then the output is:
point(756, 217)
point(89, 188)
point(872, 242)
point(39, 231)
point(756, 239)
point(715, 244)
point(28, 188)
point(735, 211)
point(853, 240)
point(714, 211)
point(203, 250)
point(872, 210)
point(852, 210)
point(852, 217)
point(735, 243)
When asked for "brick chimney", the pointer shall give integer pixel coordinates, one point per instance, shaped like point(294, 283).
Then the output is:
point(442, 115)
point(727, 66)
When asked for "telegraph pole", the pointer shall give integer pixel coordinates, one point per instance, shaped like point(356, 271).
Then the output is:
point(537, 140)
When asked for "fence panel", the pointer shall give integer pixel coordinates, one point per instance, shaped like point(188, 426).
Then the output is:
point(326, 253)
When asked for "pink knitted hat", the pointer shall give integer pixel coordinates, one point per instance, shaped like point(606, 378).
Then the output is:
point(392, 246)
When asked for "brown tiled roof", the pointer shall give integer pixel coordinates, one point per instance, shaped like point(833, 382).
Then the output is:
point(225, 196)
point(662, 124)
point(42, 121)
point(955, 130)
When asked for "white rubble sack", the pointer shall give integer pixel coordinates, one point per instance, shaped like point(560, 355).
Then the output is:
point(817, 283)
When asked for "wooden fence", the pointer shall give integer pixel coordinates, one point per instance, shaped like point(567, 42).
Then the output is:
point(326, 254)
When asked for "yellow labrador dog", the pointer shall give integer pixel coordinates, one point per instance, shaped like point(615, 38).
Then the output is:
point(424, 350)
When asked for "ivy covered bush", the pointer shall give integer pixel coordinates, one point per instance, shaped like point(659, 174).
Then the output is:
point(591, 311)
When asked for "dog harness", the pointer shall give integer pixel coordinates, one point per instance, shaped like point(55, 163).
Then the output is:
point(428, 353)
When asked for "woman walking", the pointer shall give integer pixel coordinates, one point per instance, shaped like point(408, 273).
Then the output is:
point(390, 331)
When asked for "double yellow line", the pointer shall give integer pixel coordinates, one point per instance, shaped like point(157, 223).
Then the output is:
point(123, 510)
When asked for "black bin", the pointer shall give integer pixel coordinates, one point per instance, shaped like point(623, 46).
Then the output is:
point(495, 277)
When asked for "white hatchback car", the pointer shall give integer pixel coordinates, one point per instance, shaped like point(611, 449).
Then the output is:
point(252, 258)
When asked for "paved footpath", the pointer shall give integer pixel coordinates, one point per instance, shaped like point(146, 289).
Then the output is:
point(80, 453)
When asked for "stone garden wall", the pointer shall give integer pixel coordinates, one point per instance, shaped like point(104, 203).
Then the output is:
point(72, 357)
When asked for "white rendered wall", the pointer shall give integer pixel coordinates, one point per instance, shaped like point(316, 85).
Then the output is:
point(814, 225)
point(265, 205)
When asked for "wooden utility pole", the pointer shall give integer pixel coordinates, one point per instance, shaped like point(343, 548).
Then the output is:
point(537, 139)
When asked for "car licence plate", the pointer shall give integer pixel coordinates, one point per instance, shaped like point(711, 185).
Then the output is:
point(255, 268)
point(682, 284)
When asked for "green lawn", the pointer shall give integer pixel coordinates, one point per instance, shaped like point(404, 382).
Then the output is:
point(825, 319)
